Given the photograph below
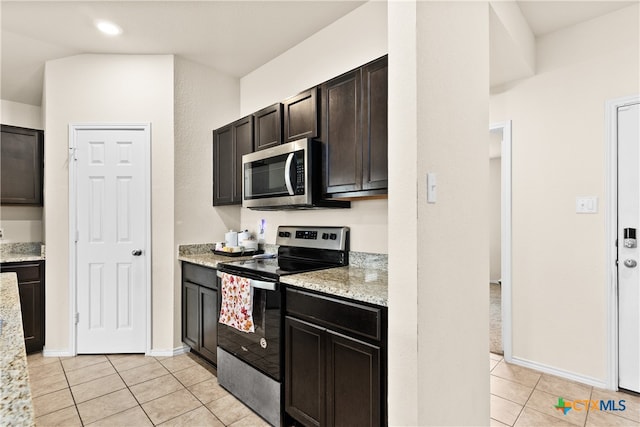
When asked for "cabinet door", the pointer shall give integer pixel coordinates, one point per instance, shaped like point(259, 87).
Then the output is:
point(353, 382)
point(190, 315)
point(342, 133)
point(305, 353)
point(267, 127)
point(32, 308)
point(223, 166)
point(243, 141)
point(374, 132)
point(21, 166)
point(209, 323)
point(31, 290)
point(301, 116)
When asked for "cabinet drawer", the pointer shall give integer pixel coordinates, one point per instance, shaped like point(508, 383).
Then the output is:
point(342, 316)
point(203, 276)
point(26, 272)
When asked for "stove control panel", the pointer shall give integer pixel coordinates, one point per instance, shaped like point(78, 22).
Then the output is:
point(334, 238)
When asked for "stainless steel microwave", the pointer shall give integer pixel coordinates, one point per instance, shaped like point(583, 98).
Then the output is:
point(288, 176)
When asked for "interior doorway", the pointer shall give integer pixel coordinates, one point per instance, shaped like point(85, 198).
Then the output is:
point(110, 217)
point(623, 208)
point(500, 239)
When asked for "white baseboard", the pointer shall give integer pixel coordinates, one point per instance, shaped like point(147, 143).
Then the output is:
point(56, 353)
point(560, 373)
point(170, 352)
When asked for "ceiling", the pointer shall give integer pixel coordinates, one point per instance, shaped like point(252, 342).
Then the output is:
point(234, 37)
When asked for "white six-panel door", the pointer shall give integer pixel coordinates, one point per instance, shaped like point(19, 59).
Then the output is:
point(629, 257)
point(111, 238)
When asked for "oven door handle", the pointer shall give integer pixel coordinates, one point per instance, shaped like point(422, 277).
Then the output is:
point(260, 284)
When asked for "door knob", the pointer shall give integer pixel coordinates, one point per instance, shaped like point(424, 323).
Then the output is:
point(138, 252)
point(631, 263)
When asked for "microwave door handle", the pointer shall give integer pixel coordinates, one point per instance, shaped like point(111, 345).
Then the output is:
point(287, 173)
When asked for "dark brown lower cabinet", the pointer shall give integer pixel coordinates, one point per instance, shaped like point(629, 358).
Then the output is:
point(305, 364)
point(332, 379)
point(31, 288)
point(353, 382)
point(200, 310)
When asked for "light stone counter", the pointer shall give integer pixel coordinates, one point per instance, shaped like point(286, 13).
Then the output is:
point(16, 406)
point(18, 252)
point(210, 259)
point(356, 283)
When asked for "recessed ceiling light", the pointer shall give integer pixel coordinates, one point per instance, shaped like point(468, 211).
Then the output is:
point(109, 28)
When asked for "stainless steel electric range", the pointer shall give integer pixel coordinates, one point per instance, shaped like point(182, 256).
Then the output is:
point(250, 359)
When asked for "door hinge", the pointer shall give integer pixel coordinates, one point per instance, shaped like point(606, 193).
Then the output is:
point(76, 318)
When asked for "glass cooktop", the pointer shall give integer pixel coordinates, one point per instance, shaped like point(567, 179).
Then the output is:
point(273, 267)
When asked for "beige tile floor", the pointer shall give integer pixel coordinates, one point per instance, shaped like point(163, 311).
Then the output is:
point(132, 390)
point(523, 397)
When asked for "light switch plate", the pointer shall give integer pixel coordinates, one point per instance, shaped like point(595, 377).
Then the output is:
point(587, 204)
point(431, 188)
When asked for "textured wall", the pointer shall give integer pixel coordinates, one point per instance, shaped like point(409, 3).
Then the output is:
point(109, 89)
point(204, 100)
point(558, 154)
point(328, 53)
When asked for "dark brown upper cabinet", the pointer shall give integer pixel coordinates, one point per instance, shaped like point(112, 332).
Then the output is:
point(354, 132)
point(374, 125)
point(230, 143)
point(342, 132)
point(21, 166)
point(267, 127)
point(301, 116)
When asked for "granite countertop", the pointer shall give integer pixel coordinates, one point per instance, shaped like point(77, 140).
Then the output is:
point(365, 279)
point(16, 406)
point(19, 252)
point(352, 282)
point(210, 259)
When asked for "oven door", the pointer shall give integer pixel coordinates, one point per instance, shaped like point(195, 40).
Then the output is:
point(261, 348)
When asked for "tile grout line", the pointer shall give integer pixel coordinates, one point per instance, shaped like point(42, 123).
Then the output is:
point(129, 390)
point(196, 397)
point(75, 404)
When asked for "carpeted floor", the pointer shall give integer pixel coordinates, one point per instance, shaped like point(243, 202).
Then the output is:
point(495, 319)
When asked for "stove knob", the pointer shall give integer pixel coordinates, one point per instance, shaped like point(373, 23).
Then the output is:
point(281, 234)
point(333, 236)
point(325, 236)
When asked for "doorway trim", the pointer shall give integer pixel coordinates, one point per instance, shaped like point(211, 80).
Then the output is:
point(505, 226)
point(611, 224)
point(73, 220)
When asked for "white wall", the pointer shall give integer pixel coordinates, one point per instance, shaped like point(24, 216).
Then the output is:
point(559, 277)
point(204, 100)
point(438, 297)
point(21, 223)
point(351, 41)
point(109, 89)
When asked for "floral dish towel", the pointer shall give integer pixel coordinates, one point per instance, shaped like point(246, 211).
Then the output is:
point(237, 303)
